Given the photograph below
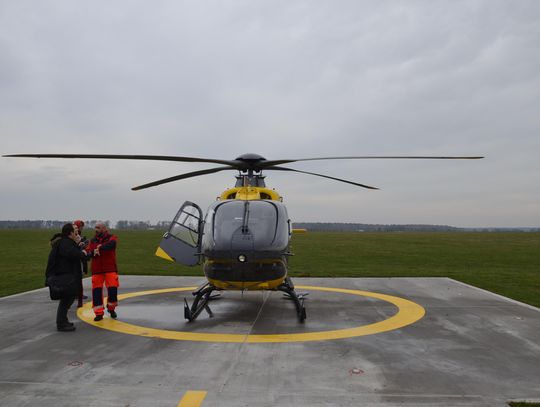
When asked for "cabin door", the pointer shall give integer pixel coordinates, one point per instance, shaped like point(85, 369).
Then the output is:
point(182, 242)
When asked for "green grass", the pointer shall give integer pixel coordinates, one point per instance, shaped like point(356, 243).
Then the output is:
point(505, 263)
point(523, 404)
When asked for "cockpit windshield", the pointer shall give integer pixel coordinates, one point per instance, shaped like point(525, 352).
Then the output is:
point(258, 219)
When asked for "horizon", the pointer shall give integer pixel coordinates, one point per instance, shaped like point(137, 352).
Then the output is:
point(167, 222)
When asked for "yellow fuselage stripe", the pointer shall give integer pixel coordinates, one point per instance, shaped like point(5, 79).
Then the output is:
point(247, 285)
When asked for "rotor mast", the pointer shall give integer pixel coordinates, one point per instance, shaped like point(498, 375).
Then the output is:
point(250, 183)
point(250, 171)
point(250, 178)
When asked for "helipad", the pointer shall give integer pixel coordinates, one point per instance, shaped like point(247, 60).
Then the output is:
point(408, 312)
point(471, 348)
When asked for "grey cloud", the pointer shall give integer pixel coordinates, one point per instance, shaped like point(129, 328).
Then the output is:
point(283, 79)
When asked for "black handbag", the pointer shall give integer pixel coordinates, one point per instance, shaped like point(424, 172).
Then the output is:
point(62, 286)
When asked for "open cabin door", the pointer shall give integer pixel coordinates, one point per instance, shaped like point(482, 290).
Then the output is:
point(182, 242)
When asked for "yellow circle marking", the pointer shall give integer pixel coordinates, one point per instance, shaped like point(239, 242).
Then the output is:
point(408, 313)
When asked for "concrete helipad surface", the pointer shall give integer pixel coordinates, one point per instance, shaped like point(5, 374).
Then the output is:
point(471, 348)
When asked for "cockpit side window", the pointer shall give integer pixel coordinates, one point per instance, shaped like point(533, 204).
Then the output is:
point(185, 226)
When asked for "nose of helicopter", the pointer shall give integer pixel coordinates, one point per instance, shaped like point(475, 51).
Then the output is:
point(243, 268)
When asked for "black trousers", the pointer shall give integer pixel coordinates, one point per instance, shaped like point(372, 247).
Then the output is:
point(63, 307)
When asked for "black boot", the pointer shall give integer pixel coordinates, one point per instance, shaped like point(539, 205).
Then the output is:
point(62, 322)
point(65, 328)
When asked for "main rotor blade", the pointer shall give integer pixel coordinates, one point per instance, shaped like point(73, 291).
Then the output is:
point(270, 163)
point(129, 157)
point(321, 175)
point(182, 176)
point(242, 163)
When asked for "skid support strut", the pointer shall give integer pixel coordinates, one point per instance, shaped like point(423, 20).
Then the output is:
point(202, 296)
point(288, 288)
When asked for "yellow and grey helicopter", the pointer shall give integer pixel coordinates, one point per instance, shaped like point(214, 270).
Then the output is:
point(243, 241)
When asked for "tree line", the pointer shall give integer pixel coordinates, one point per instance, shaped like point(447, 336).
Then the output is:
point(44, 224)
point(312, 226)
point(88, 224)
point(365, 227)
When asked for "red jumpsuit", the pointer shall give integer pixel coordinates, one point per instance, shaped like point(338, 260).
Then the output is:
point(104, 270)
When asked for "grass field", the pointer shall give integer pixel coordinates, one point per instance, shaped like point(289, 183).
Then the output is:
point(505, 263)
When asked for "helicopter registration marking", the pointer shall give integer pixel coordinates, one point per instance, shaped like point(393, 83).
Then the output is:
point(408, 313)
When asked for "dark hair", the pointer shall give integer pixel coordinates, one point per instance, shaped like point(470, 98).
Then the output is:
point(55, 238)
point(67, 229)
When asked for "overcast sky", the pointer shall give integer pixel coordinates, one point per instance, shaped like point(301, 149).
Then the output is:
point(283, 79)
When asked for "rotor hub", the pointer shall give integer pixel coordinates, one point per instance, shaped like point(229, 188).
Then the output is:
point(250, 158)
point(249, 163)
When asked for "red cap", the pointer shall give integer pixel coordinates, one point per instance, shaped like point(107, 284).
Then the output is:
point(79, 223)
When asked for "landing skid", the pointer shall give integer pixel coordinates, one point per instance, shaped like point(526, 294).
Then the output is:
point(288, 288)
point(203, 295)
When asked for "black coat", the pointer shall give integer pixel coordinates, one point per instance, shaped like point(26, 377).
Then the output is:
point(65, 257)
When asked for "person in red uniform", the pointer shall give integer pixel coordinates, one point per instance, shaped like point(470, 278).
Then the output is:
point(104, 271)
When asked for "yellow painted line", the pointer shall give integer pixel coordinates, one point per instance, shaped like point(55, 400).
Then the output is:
point(408, 313)
point(192, 399)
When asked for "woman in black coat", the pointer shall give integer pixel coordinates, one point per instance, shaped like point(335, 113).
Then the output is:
point(65, 257)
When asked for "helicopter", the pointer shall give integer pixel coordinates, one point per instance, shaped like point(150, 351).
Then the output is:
point(243, 242)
